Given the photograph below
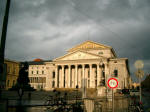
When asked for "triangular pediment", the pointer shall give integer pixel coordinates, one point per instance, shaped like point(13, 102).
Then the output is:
point(88, 45)
point(78, 55)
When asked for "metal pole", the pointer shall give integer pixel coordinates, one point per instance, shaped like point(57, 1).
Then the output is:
point(4, 32)
point(2, 42)
point(112, 100)
point(140, 89)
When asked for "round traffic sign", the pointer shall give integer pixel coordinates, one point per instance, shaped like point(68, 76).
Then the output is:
point(139, 64)
point(112, 83)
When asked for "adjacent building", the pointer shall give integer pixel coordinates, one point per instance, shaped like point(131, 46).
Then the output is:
point(90, 64)
point(38, 74)
point(12, 73)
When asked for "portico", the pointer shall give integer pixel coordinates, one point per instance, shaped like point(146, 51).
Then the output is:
point(70, 73)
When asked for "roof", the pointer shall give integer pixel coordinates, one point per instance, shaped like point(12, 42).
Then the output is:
point(37, 62)
point(89, 45)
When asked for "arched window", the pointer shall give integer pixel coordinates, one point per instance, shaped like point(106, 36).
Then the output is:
point(53, 74)
point(103, 74)
point(115, 73)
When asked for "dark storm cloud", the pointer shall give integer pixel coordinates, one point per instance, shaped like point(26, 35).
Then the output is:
point(39, 28)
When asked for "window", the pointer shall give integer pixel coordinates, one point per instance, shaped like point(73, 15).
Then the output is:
point(53, 84)
point(14, 70)
point(13, 82)
point(95, 83)
point(103, 74)
point(95, 71)
point(103, 82)
point(53, 74)
point(42, 72)
point(32, 72)
point(100, 52)
point(116, 73)
point(8, 69)
point(37, 72)
point(8, 83)
point(29, 79)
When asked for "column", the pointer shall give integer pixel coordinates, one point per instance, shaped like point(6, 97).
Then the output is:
point(83, 71)
point(65, 77)
point(56, 77)
point(73, 77)
point(83, 76)
point(91, 76)
point(79, 76)
point(69, 79)
point(76, 75)
point(62, 77)
point(98, 75)
point(88, 76)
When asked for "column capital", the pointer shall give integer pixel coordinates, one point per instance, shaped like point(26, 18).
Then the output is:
point(90, 65)
point(76, 65)
point(56, 65)
point(83, 65)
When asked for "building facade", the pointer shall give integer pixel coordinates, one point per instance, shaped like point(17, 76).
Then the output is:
point(90, 64)
point(12, 72)
point(38, 74)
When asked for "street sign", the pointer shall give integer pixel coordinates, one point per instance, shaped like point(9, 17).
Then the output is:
point(112, 83)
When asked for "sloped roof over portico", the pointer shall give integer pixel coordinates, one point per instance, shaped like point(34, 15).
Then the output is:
point(77, 55)
point(87, 45)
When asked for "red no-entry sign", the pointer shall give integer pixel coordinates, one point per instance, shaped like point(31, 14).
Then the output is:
point(112, 83)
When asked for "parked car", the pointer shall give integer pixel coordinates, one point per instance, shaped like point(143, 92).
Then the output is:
point(125, 91)
point(119, 91)
point(134, 92)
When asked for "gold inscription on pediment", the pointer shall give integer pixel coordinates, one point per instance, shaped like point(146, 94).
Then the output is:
point(88, 45)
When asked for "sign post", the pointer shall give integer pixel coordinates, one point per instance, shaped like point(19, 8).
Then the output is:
point(139, 73)
point(112, 83)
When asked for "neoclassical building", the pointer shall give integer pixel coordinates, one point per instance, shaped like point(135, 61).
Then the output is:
point(88, 64)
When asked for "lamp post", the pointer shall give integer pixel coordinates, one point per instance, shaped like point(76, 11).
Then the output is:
point(139, 73)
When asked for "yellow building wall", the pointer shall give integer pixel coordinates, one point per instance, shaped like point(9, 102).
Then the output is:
point(12, 73)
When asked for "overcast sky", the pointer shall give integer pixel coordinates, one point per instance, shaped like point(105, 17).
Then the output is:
point(48, 28)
